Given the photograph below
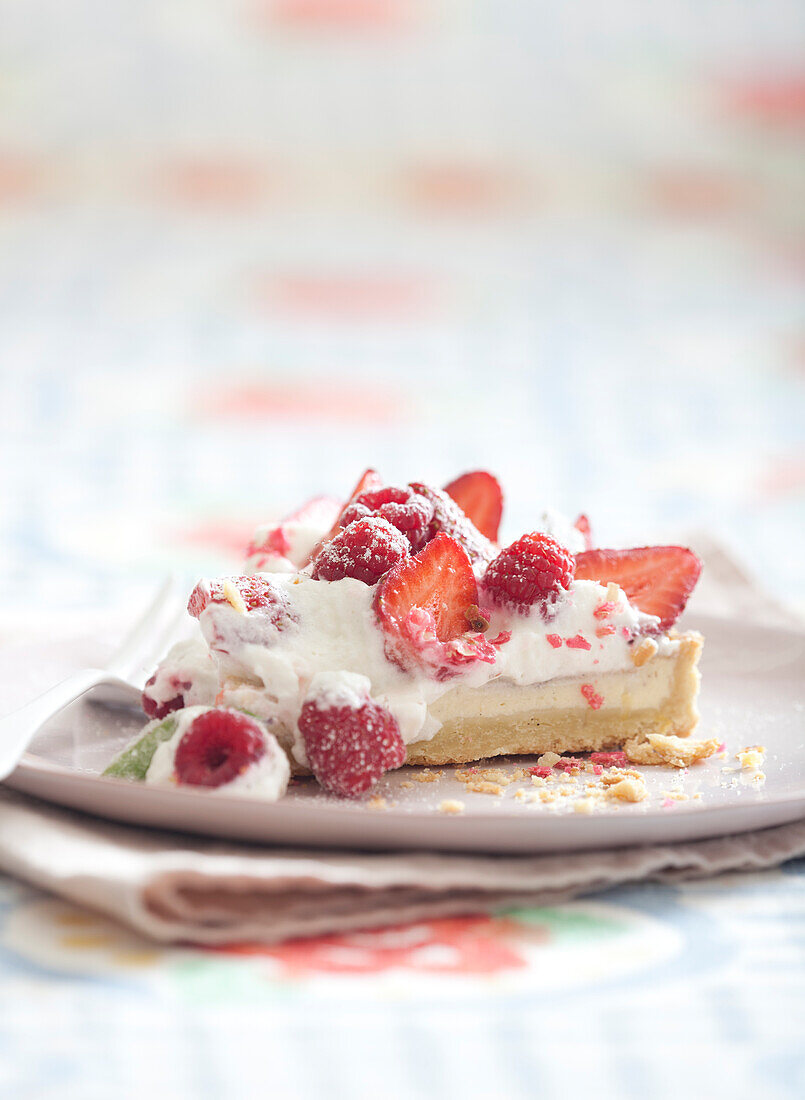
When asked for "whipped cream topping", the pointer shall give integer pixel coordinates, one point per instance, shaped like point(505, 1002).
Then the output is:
point(187, 670)
point(266, 779)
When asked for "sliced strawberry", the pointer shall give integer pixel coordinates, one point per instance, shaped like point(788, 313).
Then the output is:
point(656, 579)
point(480, 497)
point(369, 479)
point(582, 524)
point(437, 585)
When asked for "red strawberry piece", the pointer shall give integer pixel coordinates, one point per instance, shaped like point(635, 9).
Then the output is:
point(369, 479)
point(404, 509)
point(582, 524)
point(594, 700)
point(349, 747)
point(534, 570)
point(656, 579)
point(568, 764)
point(430, 595)
point(450, 520)
point(479, 495)
point(542, 771)
point(610, 759)
point(156, 709)
point(217, 747)
point(365, 550)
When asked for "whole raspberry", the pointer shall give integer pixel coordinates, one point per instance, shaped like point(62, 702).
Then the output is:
point(365, 550)
point(450, 520)
point(403, 508)
point(533, 570)
point(349, 746)
point(218, 746)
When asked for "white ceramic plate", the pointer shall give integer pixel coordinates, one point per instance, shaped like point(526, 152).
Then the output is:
point(752, 693)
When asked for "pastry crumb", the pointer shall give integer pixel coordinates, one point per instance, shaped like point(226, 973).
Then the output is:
point(584, 805)
point(451, 806)
point(641, 752)
point(426, 776)
point(377, 803)
point(681, 752)
point(548, 759)
point(628, 790)
point(483, 786)
point(752, 756)
point(661, 748)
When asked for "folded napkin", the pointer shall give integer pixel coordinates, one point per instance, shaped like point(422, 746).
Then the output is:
point(175, 888)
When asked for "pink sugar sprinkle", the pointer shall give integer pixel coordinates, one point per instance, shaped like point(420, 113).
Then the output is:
point(567, 763)
point(554, 640)
point(604, 609)
point(591, 695)
point(610, 759)
point(597, 769)
point(722, 747)
point(579, 642)
point(541, 771)
point(604, 629)
point(626, 632)
point(667, 803)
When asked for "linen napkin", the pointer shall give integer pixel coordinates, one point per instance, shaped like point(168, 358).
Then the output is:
point(175, 888)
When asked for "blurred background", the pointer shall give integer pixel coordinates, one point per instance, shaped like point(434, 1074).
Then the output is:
point(249, 248)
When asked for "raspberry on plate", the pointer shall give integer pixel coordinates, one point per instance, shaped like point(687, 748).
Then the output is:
point(217, 747)
point(404, 509)
point(350, 740)
point(534, 570)
point(365, 550)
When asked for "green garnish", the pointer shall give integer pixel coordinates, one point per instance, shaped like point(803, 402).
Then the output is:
point(134, 762)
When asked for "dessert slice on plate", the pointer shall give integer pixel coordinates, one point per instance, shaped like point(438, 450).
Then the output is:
point(393, 629)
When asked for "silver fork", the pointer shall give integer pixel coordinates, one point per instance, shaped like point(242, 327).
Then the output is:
point(123, 678)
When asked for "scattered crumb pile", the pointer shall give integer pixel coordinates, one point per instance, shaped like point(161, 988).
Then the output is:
point(581, 783)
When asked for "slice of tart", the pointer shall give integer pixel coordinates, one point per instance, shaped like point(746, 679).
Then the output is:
point(395, 629)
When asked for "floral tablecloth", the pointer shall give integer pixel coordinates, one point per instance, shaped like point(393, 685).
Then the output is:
point(249, 249)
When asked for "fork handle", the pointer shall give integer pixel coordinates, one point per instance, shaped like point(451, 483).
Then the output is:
point(18, 728)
